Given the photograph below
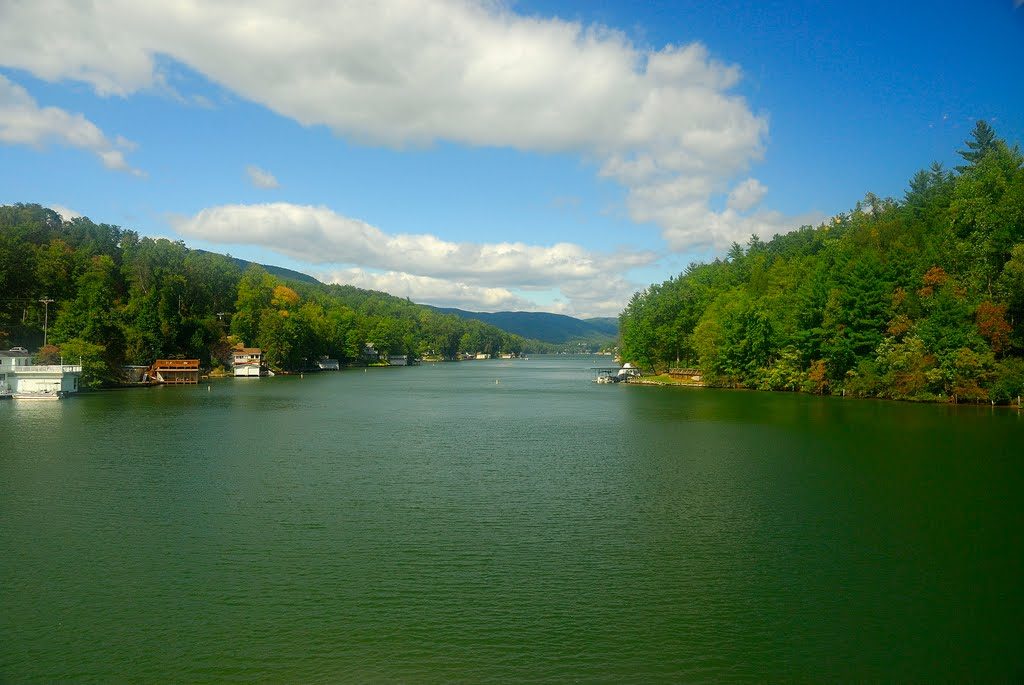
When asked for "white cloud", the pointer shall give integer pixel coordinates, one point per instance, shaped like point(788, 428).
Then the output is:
point(402, 72)
point(320, 236)
point(583, 299)
point(261, 178)
point(698, 226)
point(436, 291)
point(66, 213)
point(746, 195)
point(24, 122)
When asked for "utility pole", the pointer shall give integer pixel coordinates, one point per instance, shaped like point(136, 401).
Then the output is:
point(46, 316)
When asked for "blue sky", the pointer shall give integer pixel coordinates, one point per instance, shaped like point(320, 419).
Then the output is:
point(548, 156)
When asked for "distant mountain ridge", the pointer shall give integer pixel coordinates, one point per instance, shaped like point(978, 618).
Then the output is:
point(545, 326)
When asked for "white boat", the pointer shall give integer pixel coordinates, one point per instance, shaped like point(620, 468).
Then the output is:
point(41, 395)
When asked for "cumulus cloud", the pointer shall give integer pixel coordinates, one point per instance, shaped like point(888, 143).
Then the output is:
point(401, 72)
point(436, 291)
point(746, 195)
point(319, 235)
point(24, 122)
point(579, 299)
point(261, 178)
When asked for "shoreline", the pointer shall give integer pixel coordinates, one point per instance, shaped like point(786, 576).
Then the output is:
point(666, 381)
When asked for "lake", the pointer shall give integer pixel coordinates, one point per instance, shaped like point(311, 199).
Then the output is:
point(506, 521)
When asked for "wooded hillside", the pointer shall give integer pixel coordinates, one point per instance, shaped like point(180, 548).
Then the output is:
point(920, 298)
point(119, 298)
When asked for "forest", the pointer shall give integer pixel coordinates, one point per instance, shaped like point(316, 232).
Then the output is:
point(108, 297)
point(914, 299)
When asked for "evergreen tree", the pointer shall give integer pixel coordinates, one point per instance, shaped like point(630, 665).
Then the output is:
point(984, 139)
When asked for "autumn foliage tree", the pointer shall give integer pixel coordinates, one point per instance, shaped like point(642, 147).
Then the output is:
point(992, 325)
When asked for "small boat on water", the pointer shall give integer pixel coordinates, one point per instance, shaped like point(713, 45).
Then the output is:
point(41, 395)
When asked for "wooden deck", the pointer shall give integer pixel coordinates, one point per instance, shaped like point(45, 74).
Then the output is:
point(175, 371)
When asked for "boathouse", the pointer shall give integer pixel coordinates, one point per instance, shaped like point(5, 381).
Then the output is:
point(175, 371)
point(247, 362)
point(19, 376)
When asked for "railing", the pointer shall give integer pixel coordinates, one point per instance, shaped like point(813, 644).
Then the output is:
point(176, 365)
point(47, 368)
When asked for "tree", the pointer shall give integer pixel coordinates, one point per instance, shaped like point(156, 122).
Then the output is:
point(91, 316)
point(96, 370)
point(986, 211)
point(1011, 288)
point(992, 325)
point(983, 140)
point(255, 291)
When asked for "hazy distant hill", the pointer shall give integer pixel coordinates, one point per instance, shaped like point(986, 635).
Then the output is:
point(608, 324)
point(552, 328)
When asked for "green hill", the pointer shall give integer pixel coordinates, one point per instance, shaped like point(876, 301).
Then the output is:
point(117, 298)
point(915, 299)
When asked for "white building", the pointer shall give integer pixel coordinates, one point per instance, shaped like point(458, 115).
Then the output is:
point(248, 362)
point(19, 376)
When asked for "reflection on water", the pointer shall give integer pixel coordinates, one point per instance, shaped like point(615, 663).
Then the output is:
point(430, 524)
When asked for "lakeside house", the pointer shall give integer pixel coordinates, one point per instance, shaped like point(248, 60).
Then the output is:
point(247, 362)
point(19, 376)
point(370, 353)
point(175, 371)
point(326, 364)
point(398, 360)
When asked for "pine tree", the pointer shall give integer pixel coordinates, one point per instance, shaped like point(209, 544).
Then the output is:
point(984, 140)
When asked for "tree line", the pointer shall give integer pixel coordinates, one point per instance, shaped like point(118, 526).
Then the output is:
point(119, 299)
point(916, 299)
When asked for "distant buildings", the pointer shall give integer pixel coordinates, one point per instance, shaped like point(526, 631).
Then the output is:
point(19, 377)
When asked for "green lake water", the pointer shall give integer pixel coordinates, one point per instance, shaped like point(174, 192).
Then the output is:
point(430, 524)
